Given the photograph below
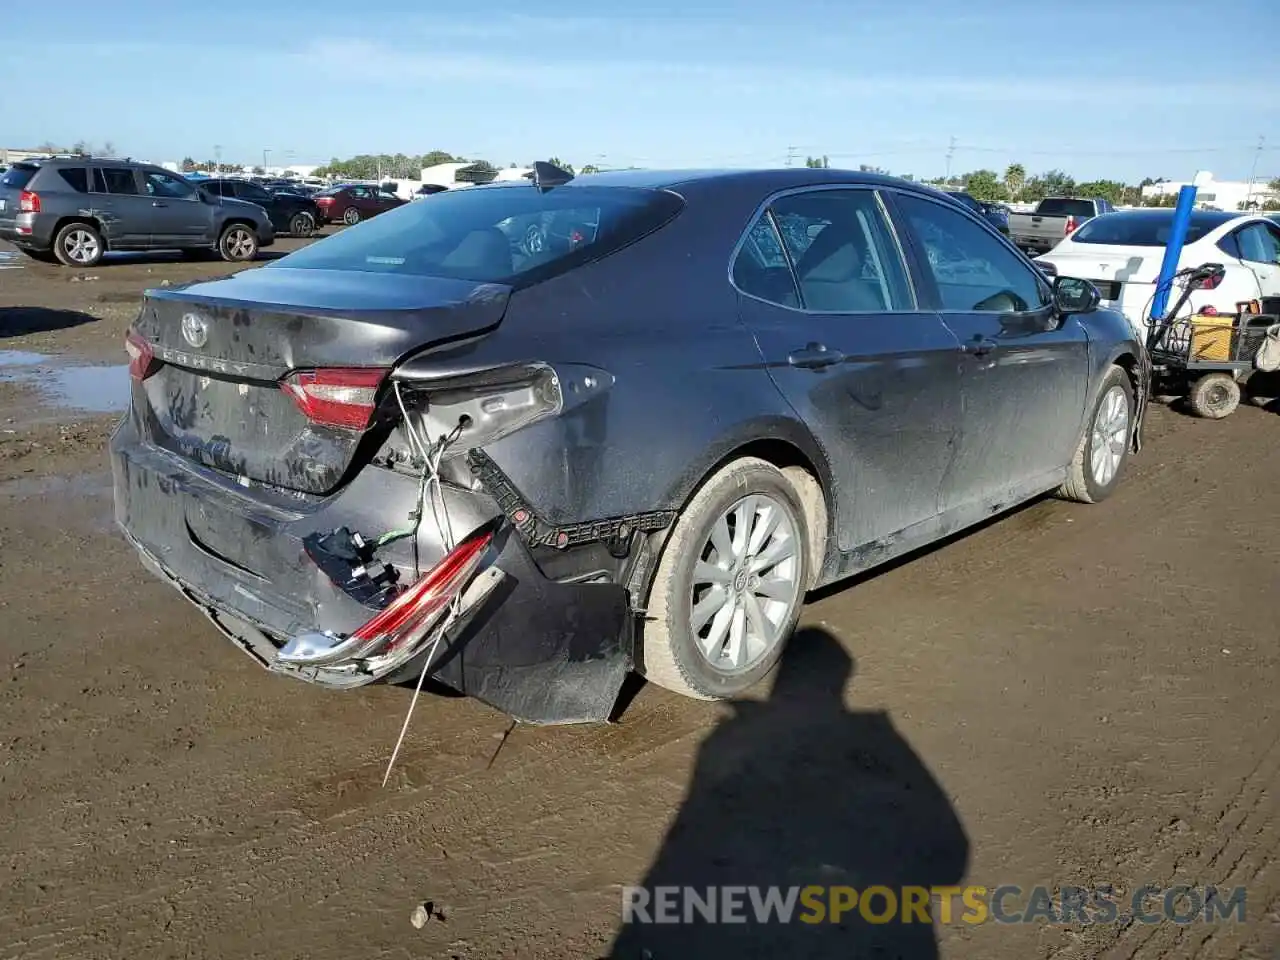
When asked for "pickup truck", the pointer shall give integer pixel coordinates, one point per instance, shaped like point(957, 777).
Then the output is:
point(1053, 219)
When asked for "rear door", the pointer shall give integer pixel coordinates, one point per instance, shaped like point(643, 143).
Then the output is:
point(179, 217)
point(824, 287)
point(126, 210)
point(1026, 370)
point(1257, 245)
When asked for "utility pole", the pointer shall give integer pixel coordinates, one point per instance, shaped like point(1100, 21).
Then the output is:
point(791, 155)
point(265, 151)
point(1253, 171)
point(951, 152)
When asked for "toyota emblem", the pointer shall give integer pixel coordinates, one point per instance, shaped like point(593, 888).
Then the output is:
point(194, 329)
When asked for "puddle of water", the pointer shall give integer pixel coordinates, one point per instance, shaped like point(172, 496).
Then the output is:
point(10, 260)
point(93, 389)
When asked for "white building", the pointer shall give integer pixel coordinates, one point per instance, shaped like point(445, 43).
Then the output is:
point(1211, 194)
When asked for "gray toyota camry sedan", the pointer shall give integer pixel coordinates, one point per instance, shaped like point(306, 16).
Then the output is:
point(528, 437)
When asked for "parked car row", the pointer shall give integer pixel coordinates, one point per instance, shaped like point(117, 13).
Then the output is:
point(873, 366)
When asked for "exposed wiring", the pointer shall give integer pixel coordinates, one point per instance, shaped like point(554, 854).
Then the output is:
point(429, 486)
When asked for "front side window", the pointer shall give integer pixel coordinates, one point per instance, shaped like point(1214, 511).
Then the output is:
point(168, 186)
point(843, 252)
point(973, 270)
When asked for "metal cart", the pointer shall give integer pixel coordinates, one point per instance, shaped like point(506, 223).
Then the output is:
point(1206, 358)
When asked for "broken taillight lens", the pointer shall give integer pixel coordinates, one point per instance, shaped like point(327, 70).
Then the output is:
point(480, 409)
point(336, 397)
point(142, 358)
point(421, 606)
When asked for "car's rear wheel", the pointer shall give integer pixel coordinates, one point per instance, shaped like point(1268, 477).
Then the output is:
point(1214, 396)
point(351, 216)
point(79, 245)
point(730, 584)
point(302, 224)
point(238, 243)
point(1103, 450)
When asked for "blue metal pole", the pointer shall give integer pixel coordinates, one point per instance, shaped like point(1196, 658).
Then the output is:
point(1173, 250)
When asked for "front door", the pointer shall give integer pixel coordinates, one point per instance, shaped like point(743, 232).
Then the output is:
point(1026, 370)
point(825, 288)
point(179, 217)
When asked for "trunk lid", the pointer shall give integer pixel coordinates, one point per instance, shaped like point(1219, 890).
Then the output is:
point(224, 346)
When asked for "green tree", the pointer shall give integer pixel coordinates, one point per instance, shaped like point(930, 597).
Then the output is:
point(188, 164)
point(590, 168)
point(438, 156)
point(1015, 175)
point(817, 163)
point(983, 185)
point(1111, 190)
point(872, 168)
point(557, 162)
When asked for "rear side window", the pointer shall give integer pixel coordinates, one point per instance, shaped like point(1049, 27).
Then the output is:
point(1062, 207)
point(77, 178)
point(119, 181)
point(19, 175)
point(494, 234)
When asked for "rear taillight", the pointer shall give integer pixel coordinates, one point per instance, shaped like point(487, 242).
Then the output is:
point(1210, 282)
point(323, 201)
point(421, 606)
point(336, 397)
point(28, 202)
point(142, 358)
point(1071, 225)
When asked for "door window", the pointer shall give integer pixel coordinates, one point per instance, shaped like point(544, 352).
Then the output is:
point(77, 178)
point(252, 192)
point(974, 271)
point(168, 186)
point(842, 252)
point(119, 181)
point(761, 269)
point(1258, 244)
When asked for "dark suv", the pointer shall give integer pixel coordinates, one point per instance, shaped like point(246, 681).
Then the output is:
point(75, 209)
point(289, 212)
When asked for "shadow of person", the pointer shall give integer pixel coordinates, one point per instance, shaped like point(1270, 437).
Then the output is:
point(791, 792)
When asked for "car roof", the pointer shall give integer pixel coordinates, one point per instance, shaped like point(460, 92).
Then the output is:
point(781, 178)
point(1208, 219)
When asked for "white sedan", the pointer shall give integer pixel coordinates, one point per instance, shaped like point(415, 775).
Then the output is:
point(1121, 253)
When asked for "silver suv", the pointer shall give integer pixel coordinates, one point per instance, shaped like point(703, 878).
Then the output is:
point(75, 209)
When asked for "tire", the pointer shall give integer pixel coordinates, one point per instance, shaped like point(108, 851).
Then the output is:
point(1214, 396)
point(1103, 451)
point(79, 245)
point(669, 653)
point(302, 224)
point(351, 216)
point(238, 243)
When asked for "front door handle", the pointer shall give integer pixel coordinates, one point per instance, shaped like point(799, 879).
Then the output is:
point(979, 346)
point(158, 203)
point(814, 356)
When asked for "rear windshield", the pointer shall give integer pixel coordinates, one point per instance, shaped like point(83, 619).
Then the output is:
point(19, 175)
point(1061, 207)
point(1139, 229)
point(494, 234)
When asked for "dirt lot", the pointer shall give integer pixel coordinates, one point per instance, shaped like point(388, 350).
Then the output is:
point(1069, 695)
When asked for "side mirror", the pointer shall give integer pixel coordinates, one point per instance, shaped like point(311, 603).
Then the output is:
point(1073, 295)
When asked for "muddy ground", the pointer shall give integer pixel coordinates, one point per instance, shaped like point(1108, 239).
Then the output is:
point(1069, 695)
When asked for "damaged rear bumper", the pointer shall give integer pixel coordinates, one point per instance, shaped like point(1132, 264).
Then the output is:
point(540, 650)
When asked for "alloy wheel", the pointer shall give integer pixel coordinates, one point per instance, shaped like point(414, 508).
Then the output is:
point(1110, 436)
point(81, 246)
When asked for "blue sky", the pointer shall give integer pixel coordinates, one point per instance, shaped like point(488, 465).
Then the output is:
point(1095, 87)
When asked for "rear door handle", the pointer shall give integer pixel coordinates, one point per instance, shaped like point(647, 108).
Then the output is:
point(814, 356)
point(979, 346)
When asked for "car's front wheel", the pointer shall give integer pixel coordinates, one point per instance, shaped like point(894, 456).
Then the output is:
point(1103, 450)
point(729, 587)
point(238, 243)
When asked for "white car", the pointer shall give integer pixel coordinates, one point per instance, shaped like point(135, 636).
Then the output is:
point(1121, 253)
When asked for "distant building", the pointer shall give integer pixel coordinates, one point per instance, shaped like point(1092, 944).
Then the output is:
point(1211, 194)
point(15, 155)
